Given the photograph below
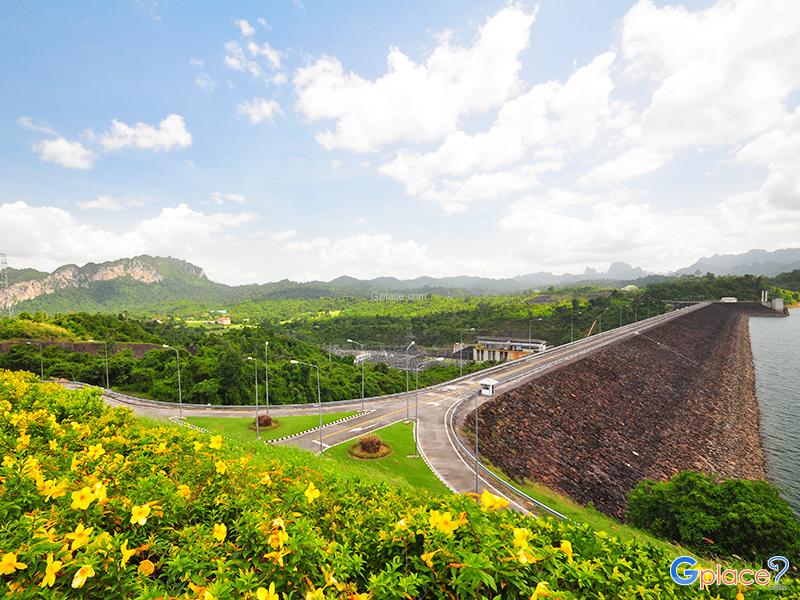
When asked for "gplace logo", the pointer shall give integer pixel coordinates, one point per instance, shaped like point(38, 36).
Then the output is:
point(688, 575)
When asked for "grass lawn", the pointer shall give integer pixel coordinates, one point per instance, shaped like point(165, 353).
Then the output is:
point(397, 465)
point(239, 427)
point(585, 514)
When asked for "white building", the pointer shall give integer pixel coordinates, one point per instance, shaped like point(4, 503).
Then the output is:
point(501, 349)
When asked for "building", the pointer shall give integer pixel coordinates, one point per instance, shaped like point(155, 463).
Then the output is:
point(224, 320)
point(501, 349)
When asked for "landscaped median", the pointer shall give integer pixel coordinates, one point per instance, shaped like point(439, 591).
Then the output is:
point(243, 428)
point(95, 504)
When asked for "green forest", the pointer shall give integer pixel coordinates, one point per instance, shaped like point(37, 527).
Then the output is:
point(214, 365)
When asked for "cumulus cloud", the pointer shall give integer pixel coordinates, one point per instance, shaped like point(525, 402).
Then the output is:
point(245, 28)
point(49, 236)
point(721, 75)
point(171, 133)
point(259, 110)
point(416, 102)
point(66, 153)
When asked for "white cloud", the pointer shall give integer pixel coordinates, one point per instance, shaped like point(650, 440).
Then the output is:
point(236, 60)
point(47, 236)
point(279, 236)
point(245, 28)
point(101, 203)
point(264, 23)
point(197, 62)
point(171, 133)
point(266, 51)
point(205, 83)
point(721, 75)
point(61, 151)
point(30, 124)
point(259, 110)
point(220, 198)
point(416, 102)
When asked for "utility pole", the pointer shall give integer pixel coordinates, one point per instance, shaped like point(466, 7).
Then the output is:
point(4, 291)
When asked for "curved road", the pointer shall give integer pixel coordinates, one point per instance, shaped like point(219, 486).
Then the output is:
point(441, 410)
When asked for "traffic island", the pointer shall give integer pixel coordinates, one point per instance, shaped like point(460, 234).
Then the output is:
point(370, 447)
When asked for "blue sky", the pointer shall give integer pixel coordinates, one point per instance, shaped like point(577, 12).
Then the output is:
point(309, 140)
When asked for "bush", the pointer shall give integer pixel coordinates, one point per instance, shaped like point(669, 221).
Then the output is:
point(730, 518)
point(265, 421)
point(371, 444)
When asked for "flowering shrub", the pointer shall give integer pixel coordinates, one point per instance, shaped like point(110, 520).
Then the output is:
point(96, 504)
point(371, 444)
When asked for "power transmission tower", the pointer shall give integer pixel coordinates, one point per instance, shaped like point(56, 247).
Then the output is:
point(4, 291)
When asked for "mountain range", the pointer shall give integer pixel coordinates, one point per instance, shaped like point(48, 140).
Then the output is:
point(147, 283)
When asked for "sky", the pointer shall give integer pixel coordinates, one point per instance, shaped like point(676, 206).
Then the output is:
point(308, 140)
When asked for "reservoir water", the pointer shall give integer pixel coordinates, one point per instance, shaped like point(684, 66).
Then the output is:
point(776, 354)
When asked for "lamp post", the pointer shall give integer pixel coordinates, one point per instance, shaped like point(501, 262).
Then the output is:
point(319, 398)
point(416, 401)
point(407, 368)
point(266, 376)
point(255, 381)
point(105, 353)
point(461, 351)
point(362, 371)
point(180, 392)
point(571, 314)
point(41, 359)
point(530, 330)
point(477, 460)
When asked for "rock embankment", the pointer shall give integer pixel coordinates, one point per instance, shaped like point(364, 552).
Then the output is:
point(680, 396)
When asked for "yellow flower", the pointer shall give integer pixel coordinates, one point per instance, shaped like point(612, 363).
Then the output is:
point(50, 571)
point(81, 575)
point(50, 489)
point(9, 564)
point(53, 445)
point(566, 548)
point(277, 556)
point(542, 591)
point(126, 554)
point(401, 524)
point(739, 596)
point(23, 440)
point(80, 537)
point(82, 498)
point(161, 448)
point(444, 522)
point(208, 595)
point(314, 594)
point(311, 493)
point(99, 491)
point(428, 558)
point(139, 514)
point(520, 537)
point(198, 446)
point(184, 491)
point(8, 462)
point(526, 558)
point(221, 467)
point(146, 568)
point(216, 442)
point(266, 479)
point(277, 538)
point(95, 452)
point(220, 531)
point(491, 502)
point(267, 593)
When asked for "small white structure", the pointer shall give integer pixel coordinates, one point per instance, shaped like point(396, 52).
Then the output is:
point(487, 386)
point(728, 299)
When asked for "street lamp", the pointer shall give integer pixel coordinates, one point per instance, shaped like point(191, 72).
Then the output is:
point(362, 370)
point(180, 392)
point(266, 377)
point(407, 389)
point(477, 459)
point(461, 351)
point(319, 398)
point(255, 380)
point(571, 314)
point(416, 401)
point(530, 329)
point(41, 359)
point(105, 353)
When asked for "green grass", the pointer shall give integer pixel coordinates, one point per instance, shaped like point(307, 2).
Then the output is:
point(586, 514)
point(238, 428)
point(399, 465)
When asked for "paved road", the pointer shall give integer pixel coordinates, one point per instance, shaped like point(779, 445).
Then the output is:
point(440, 409)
